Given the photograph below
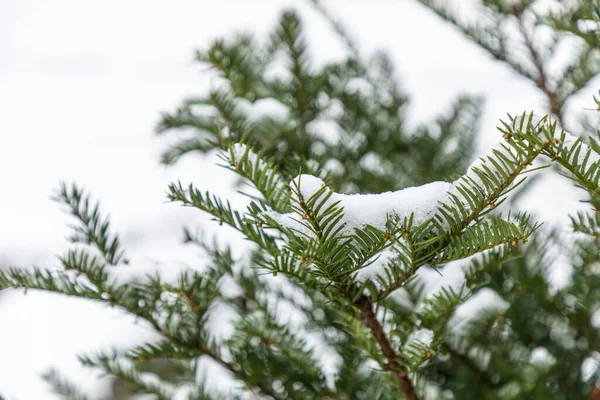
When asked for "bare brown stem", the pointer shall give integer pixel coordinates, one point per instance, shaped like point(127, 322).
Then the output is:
point(365, 305)
point(542, 81)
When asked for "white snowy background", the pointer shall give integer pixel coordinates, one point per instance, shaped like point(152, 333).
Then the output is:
point(82, 84)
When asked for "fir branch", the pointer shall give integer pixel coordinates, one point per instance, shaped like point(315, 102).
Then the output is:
point(294, 266)
point(143, 382)
point(223, 213)
point(57, 282)
point(289, 35)
point(486, 235)
point(588, 224)
point(271, 353)
point(63, 387)
point(93, 229)
point(92, 267)
point(194, 345)
point(437, 310)
point(162, 349)
point(262, 174)
point(415, 354)
point(240, 61)
point(586, 172)
point(475, 203)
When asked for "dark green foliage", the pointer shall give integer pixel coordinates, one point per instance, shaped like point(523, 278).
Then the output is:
point(93, 229)
point(559, 320)
point(362, 99)
point(299, 300)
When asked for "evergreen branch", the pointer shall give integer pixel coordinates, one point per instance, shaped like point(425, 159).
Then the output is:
point(272, 353)
point(567, 22)
point(93, 228)
point(194, 345)
point(65, 284)
point(476, 194)
point(415, 354)
point(289, 36)
point(223, 213)
point(486, 235)
point(365, 307)
point(437, 310)
point(164, 349)
point(62, 387)
point(240, 61)
point(586, 223)
point(497, 173)
point(294, 266)
point(367, 242)
point(142, 382)
point(263, 175)
point(582, 161)
point(497, 179)
point(57, 282)
point(82, 263)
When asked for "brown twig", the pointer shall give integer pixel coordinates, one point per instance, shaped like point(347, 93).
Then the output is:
point(365, 305)
point(542, 81)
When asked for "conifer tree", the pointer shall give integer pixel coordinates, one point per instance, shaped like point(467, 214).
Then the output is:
point(355, 270)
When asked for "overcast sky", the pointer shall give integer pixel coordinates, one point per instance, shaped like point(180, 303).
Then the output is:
point(82, 84)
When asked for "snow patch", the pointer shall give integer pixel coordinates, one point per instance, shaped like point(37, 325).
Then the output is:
point(334, 167)
point(542, 358)
point(327, 130)
point(590, 366)
point(372, 162)
point(595, 319)
point(374, 209)
point(373, 270)
point(485, 301)
point(359, 85)
point(268, 108)
point(450, 277)
point(420, 336)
